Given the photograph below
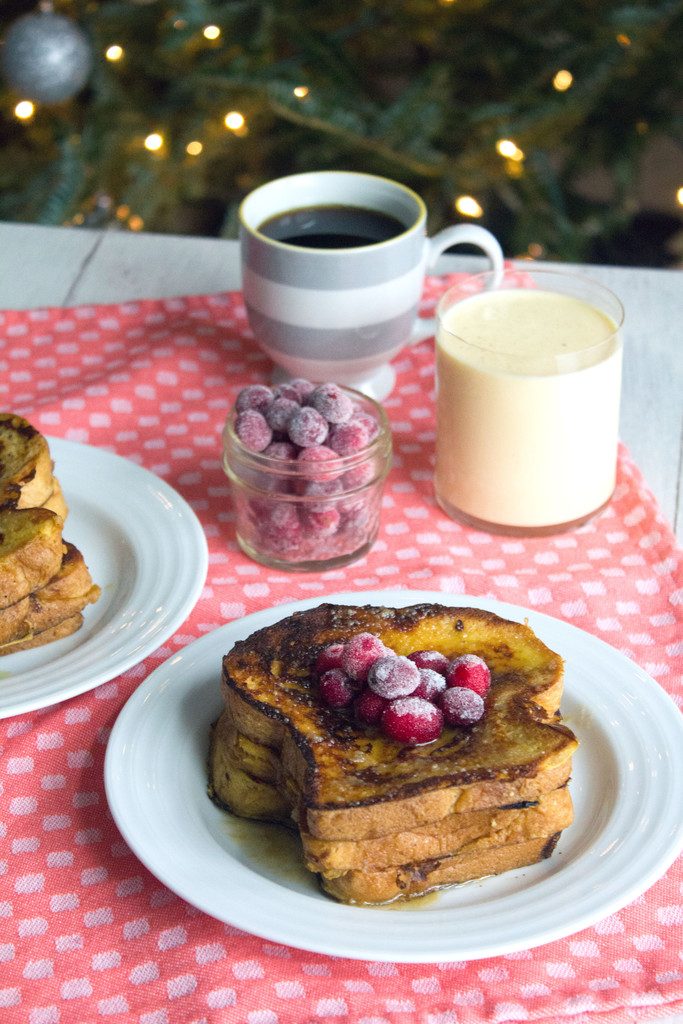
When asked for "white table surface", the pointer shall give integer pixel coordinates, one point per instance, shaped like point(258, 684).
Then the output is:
point(67, 266)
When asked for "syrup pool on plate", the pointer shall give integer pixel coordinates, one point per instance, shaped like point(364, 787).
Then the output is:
point(528, 391)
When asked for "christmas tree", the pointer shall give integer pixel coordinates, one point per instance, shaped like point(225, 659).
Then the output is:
point(161, 114)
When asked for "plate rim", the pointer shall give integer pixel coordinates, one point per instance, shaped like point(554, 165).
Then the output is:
point(132, 653)
point(162, 677)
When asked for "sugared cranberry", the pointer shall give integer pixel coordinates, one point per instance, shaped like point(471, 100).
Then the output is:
point(252, 430)
point(359, 476)
point(360, 653)
point(312, 462)
point(254, 396)
point(348, 438)
point(393, 676)
point(461, 706)
point(287, 390)
point(471, 671)
point(329, 657)
point(431, 684)
point(282, 450)
point(302, 387)
point(324, 522)
point(331, 402)
point(335, 688)
point(412, 720)
point(431, 659)
point(369, 707)
point(319, 489)
point(307, 427)
point(369, 421)
point(279, 413)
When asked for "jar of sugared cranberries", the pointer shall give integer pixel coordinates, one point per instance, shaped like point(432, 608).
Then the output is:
point(310, 499)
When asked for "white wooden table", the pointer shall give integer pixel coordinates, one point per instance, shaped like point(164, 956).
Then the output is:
point(66, 266)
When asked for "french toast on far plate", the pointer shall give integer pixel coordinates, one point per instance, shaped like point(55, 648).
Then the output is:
point(379, 819)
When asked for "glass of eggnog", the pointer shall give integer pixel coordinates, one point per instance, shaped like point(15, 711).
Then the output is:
point(528, 366)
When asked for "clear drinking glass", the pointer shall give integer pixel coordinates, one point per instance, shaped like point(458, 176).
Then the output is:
point(528, 369)
point(309, 516)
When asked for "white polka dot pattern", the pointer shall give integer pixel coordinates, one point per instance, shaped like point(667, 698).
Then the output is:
point(87, 933)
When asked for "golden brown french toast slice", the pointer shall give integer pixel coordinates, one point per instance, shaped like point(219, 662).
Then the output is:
point(46, 636)
point(420, 877)
point(66, 594)
point(31, 551)
point(353, 783)
point(56, 502)
point(25, 465)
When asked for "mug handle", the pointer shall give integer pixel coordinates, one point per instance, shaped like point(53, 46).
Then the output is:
point(459, 234)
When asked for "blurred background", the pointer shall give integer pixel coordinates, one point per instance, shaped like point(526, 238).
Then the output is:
point(555, 123)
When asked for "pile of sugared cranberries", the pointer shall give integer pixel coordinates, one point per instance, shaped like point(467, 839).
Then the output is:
point(313, 438)
point(409, 699)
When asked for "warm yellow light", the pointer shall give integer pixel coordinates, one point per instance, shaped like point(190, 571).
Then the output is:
point(194, 148)
point(447, 3)
point(468, 206)
point(154, 142)
point(301, 91)
point(180, 23)
point(211, 32)
point(136, 223)
point(114, 52)
point(536, 250)
point(563, 80)
point(509, 149)
point(24, 109)
point(623, 39)
point(78, 218)
point(679, 196)
point(122, 211)
point(234, 120)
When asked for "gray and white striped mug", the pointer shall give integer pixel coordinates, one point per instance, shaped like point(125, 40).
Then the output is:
point(341, 314)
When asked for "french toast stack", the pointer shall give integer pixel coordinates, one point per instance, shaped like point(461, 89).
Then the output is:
point(44, 581)
point(380, 820)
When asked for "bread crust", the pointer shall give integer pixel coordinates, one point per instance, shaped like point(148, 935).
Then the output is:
point(31, 551)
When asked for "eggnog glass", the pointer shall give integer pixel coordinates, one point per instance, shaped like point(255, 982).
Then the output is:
point(528, 369)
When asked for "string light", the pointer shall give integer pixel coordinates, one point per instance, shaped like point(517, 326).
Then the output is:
point(509, 149)
point(563, 80)
point(234, 121)
point(194, 148)
point(468, 206)
point(136, 223)
point(679, 196)
point(24, 110)
point(623, 39)
point(114, 52)
point(301, 91)
point(154, 142)
point(211, 32)
point(122, 212)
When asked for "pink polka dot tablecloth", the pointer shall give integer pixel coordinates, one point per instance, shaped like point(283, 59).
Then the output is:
point(86, 932)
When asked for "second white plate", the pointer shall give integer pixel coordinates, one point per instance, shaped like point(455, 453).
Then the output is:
point(146, 549)
point(628, 824)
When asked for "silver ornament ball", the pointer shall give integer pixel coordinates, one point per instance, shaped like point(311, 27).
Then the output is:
point(46, 57)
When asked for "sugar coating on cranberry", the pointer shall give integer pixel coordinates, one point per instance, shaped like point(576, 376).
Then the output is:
point(329, 657)
point(287, 390)
point(393, 676)
point(279, 413)
point(335, 688)
point(254, 396)
point(369, 707)
point(348, 438)
point(369, 421)
point(412, 720)
point(283, 450)
point(307, 427)
point(461, 706)
point(431, 684)
point(323, 521)
point(360, 653)
point(471, 671)
point(431, 659)
point(252, 430)
point(312, 462)
point(302, 387)
point(331, 402)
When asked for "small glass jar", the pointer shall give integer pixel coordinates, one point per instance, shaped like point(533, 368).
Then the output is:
point(308, 516)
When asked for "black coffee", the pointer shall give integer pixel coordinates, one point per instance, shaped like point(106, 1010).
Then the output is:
point(332, 227)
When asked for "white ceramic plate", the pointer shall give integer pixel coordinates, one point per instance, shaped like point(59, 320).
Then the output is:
point(626, 789)
point(144, 546)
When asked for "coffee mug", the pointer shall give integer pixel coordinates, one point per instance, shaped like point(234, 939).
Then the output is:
point(333, 266)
